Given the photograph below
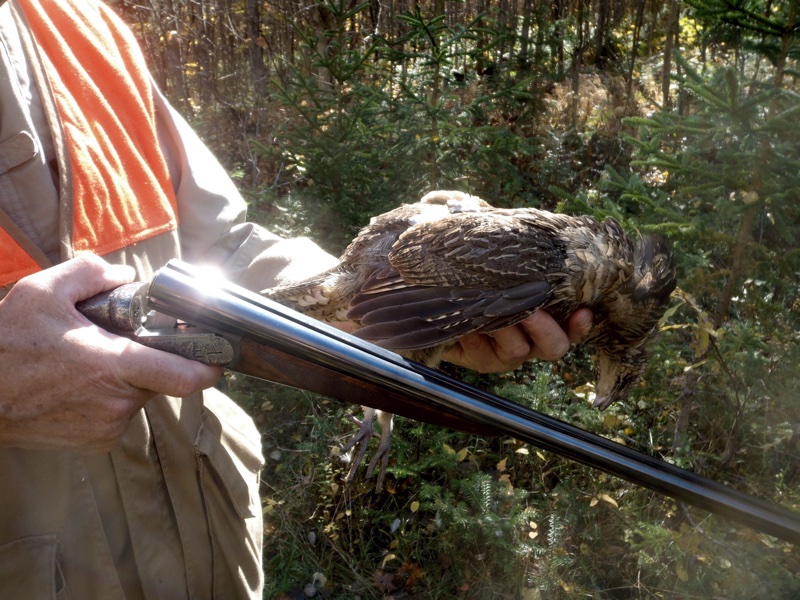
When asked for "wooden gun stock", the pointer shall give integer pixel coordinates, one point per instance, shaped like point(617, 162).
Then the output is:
point(264, 362)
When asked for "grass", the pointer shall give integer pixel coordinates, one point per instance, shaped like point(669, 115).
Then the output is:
point(488, 518)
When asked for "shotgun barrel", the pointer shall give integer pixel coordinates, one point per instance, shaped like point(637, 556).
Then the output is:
point(275, 343)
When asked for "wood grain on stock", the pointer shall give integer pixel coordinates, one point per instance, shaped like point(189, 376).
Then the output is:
point(267, 363)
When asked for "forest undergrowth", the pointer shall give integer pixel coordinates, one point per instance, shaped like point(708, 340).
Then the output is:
point(679, 118)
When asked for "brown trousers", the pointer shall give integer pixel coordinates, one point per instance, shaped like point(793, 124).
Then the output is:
point(173, 512)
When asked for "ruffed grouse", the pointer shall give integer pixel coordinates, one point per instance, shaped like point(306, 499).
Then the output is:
point(419, 277)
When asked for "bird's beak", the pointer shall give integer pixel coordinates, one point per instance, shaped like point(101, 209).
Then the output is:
point(607, 371)
point(602, 402)
point(615, 377)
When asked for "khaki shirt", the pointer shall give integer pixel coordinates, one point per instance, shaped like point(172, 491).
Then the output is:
point(173, 512)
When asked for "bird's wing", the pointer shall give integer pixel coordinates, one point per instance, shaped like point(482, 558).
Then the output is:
point(453, 276)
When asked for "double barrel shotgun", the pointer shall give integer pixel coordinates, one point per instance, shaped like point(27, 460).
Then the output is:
point(223, 324)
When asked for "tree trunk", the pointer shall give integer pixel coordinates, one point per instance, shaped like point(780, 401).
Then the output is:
point(601, 34)
point(256, 45)
point(669, 45)
point(524, 39)
point(637, 30)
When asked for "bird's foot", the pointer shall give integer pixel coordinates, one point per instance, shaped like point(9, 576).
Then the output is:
point(360, 443)
point(384, 447)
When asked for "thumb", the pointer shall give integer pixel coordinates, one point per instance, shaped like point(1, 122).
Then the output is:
point(165, 373)
point(86, 275)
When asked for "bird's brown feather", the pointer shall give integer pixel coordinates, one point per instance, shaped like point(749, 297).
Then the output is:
point(421, 276)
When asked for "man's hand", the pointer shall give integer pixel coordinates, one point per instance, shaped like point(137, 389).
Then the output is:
point(538, 336)
point(65, 383)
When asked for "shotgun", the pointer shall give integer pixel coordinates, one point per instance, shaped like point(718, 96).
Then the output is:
point(224, 324)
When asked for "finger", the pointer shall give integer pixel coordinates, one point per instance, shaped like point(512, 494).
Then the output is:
point(474, 345)
point(87, 275)
point(579, 325)
point(164, 373)
point(512, 346)
point(479, 352)
point(550, 342)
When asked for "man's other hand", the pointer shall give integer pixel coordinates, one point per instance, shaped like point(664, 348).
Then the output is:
point(538, 336)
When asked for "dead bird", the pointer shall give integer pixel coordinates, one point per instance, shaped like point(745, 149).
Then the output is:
point(419, 277)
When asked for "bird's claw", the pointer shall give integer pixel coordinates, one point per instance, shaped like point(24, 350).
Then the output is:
point(360, 442)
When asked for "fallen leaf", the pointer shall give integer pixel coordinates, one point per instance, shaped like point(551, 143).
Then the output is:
point(384, 582)
point(412, 574)
point(387, 558)
point(605, 498)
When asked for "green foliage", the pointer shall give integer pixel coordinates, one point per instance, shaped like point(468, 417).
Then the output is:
point(374, 125)
point(467, 517)
point(362, 117)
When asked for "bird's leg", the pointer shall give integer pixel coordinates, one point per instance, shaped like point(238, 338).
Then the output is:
point(382, 454)
point(360, 441)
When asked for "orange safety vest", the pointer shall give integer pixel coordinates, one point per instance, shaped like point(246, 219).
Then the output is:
point(121, 190)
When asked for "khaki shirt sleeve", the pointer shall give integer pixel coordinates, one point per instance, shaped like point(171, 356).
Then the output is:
point(211, 216)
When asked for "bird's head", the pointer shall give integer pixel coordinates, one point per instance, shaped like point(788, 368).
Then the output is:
point(616, 375)
point(632, 321)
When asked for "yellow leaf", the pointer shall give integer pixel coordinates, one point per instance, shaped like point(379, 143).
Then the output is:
point(695, 365)
point(669, 312)
point(414, 506)
point(608, 499)
point(522, 451)
point(703, 339)
point(387, 558)
point(501, 466)
point(447, 449)
point(605, 498)
point(612, 421)
point(462, 454)
point(682, 574)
